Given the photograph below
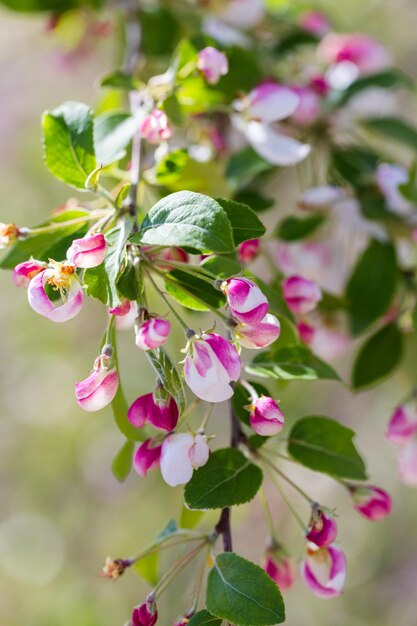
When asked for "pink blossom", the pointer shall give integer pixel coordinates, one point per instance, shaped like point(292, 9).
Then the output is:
point(87, 252)
point(60, 277)
point(145, 615)
point(249, 250)
point(407, 463)
point(24, 272)
point(322, 530)
point(213, 64)
point(315, 22)
point(281, 569)
point(266, 418)
point(371, 502)
point(161, 412)
point(389, 177)
point(152, 333)
point(300, 294)
point(320, 84)
point(99, 388)
point(271, 102)
point(122, 309)
point(309, 106)
point(246, 301)
point(155, 127)
point(126, 315)
point(403, 424)
point(147, 457)
point(324, 570)
point(367, 54)
point(181, 454)
point(255, 336)
point(211, 364)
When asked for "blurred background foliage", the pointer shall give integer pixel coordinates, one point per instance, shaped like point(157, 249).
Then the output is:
point(62, 510)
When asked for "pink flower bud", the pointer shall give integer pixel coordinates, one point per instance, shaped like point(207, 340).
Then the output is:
point(371, 502)
point(147, 457)
point(24, 272)
point(320, 84)
point(266, 418)
point(160, 412)
point(281, 569)
point(181, 454)
point(402, 425)
point(324, 570)
point(246, 301)
point(315, 22)
point(145, 614)
point(155, 127)
point(87, 252)
point(9, 234)
point(301, 294)
point(213, 64)
point(367, 54)
point(322, 530)
point(210, 365)
point(248, 250)
point(152, 334)
point(61, 277)
point(407, 463)
point(306, 332)
point(99, 388)
point(121, 310)
point(172, 254)
point(254, 336)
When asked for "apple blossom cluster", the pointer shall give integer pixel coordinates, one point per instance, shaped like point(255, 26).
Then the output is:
point(183, 231)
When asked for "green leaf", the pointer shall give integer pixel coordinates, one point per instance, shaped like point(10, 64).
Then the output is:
point(29, 6)
point(101, 281)
point(377, 357)
point(119, 80)
point(168, 375)
point(170, 528)
point(291, 363)
point(241, 398)
point(244, 72)
point(204, 618)
point(122, 462)
point(254, 199)
point(193, 292)
point(295, 228)
point(324, 445)
point(391, 78)
point(173, 110)
point(414, 319)
point(244, 166)
point(372, 285)
point(245, 223)
point(189, 518)
point(221, 266)
point(68, 147)
point(394, 128)
point(189, 219)
point(113, 132)
point(294, 39)
point(148, 568)
point(160, 30)
point(128, 284)
point(353, 164)
point(242, 593)
point(52, 244)
point(228, 478)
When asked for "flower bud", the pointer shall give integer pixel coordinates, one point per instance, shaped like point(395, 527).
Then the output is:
point(210, 365)
point(9, 234)
point(322, 530)
point(24, 272)
point(123, 308)
point(155, 127)
point(145, 614)
point(61, 277)
point(280, 568)
point(324, 570)
point(255, 336)
point(402, 425)
point(147, 457)
point(407, 463)
point(246, 301)
point(89, 251)
point(266, 418)
point(160, 412)
point(301, 294)
point(367, 54)
point(181, 454)
point(172, 254)
point(248, 250)
point(100, 387)
point(371, 502)
point(213, 64)
point(114, 568)
point(152, 333)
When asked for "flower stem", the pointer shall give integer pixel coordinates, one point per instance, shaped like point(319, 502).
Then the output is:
point(288, 480)
point(177, 316)
point(176, 569)
point(288, 502)
point(268, 514)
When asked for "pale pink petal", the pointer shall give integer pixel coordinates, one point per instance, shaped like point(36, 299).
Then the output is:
point(274, 147)
point(176, 467)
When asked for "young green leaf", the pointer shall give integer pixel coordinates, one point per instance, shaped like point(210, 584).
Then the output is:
point(113, 132)
point(324, 445)
point(391, 78)
point(68, 146)
point(295, 228)
point(371, 287)
point(394, 128)
point(204, 618)
point(245, 223)
point(221, 266)
point(168, 375)
point(122, 462)
point(244, 166)
point(291, 363)
point(193, 292)
point(189, 219)
point(228, 478)
point(377, 357)
point(242, 593)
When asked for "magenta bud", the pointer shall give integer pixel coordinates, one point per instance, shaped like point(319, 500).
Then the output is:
point(246, 301)
point(402, 425)
point(322, 530)
point(24, 272)
point(147, 457)
point(371, 502)
point(145, 614)
point(155, 127)
point(213, 64)
point(160, 412)
point(281, 569)
point(89, 251)
point(300, 294)
point(123, 308)
point(266, 418)
point(249, 250)
point(99, 388)
point(152, 333)
point(255, 336)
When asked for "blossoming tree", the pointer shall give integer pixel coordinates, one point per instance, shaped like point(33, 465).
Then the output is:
point(215, 100)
